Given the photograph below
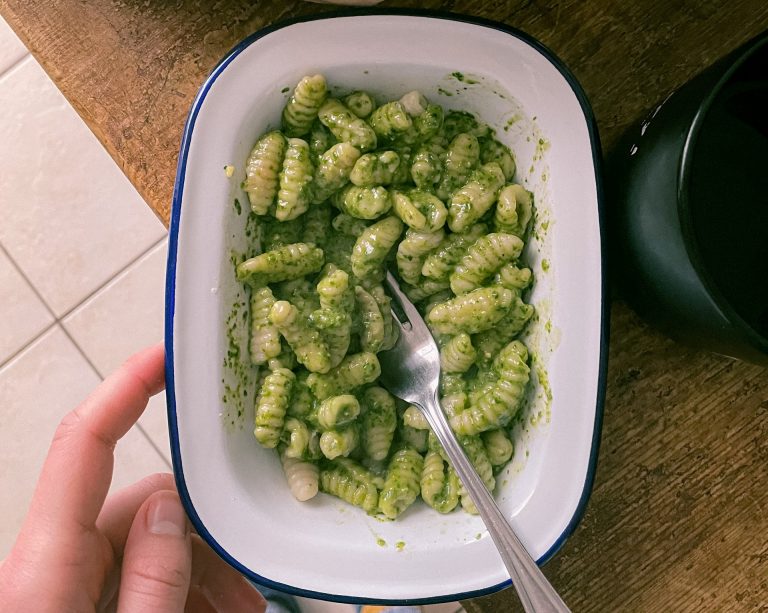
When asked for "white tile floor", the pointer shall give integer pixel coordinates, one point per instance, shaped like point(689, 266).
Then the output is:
point(82, 267)
point(81, 281)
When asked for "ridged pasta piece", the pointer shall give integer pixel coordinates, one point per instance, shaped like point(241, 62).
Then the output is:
point(303, 477)
point(475, 450)
point(377, 168)
point(302, 400)
point(295, 181)
point(346, 126)
point(336, 411)
point(340, 442)
point(439, 483)
point(360, 103)
point(427, 118)
point(346, 479)
point(403, 482)
point(458, 354)
point(371, 321)
point(420, 210)
point(262, 171)
point(428, 123)
point(470, 202)
point(265, 338)
point(305, 340)
point(453, 403)
point(513, 277)
point(373, 246)
point(414, 418)
point(334, 292)
point(302, 107)
point(414, 103)
point(484, 257)
point(413, 250)
point(379, 422)
point(496, 407)
point(295, 438)
point(489, 343)
point(333, 319)
point(413, 437)
point(426, 169)
point(354, 371)
point(498, 446)
point(514, 210)
point(492, 150)
point(284, 263)
point(271, 406)
point(285, 359)
point(348, 225)
point(391, 331)
point(335, 326)
point(333, 170)
point(316, 224)
point(390, 120)
point(461, 158)
point(363, 202)
point(440, 264)
point(476, 311)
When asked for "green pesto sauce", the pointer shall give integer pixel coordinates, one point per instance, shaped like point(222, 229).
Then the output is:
point(381, 542)
point(400, 545)
point(459, 76)
point(512, 121)
point(478, 536)
point(545, 265)
point(238, 366)
point(235, 394)
point(545, 387)
point(285, 90)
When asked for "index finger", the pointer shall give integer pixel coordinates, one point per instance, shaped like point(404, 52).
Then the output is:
point(78, 470)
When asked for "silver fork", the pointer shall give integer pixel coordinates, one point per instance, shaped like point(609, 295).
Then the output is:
point(411, 371)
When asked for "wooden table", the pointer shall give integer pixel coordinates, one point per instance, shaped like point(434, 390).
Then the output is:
point(678, 519)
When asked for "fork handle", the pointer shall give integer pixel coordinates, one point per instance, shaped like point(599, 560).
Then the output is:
point(535, 591)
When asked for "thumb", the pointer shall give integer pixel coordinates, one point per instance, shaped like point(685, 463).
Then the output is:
point(157, 561)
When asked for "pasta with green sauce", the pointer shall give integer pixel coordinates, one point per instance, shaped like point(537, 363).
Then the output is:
point(349, 187)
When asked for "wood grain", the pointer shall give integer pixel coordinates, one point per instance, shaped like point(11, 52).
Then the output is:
point(678, 519)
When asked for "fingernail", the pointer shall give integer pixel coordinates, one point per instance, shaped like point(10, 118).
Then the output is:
point(166, 515)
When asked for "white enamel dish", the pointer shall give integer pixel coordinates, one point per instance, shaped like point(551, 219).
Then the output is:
point(233, 490)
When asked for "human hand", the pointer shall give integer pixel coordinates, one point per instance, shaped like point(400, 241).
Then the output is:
point(134, 551)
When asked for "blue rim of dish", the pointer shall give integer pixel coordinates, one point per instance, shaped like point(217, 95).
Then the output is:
point(170, 287)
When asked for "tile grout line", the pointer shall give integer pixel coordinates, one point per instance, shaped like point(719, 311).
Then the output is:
point(16, 63)
point(117, 273)
point(28, 344)
point(32, 286)
point(102, 377)
point(58, 322)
